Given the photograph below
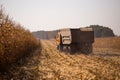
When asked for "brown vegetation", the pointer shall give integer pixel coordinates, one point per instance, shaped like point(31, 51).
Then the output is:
point(111, 44)
point(50, 64)
point(64, 66)
point(15, 41)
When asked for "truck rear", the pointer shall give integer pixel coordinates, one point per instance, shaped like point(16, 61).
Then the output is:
point(75, 40)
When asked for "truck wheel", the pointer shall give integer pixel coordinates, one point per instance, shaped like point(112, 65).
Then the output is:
point(90, 48)
point(72, 48)
point(60, 47)
point(86, 48)
point(57, 47)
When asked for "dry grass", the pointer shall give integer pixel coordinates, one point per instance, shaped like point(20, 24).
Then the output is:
point(111, 42)
point(50, 64)
point(107, 45)
point(77, 67)
point(15, 41)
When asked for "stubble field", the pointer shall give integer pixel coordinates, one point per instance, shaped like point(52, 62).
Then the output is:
point(47, 63)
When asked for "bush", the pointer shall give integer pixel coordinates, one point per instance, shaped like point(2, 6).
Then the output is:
point(15, 41)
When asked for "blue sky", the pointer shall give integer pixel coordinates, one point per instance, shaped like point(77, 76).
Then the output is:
point(54, 14)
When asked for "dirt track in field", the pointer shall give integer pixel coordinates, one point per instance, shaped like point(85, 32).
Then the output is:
point(79, 66)
point(47, 63)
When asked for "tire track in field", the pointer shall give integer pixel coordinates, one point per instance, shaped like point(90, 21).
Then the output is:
point(47, 63)
point(70, 66)
point(82, 66)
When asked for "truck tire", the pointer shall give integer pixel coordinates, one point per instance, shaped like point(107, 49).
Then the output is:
point(60, 48)
point(72, 48)
point(86, 48)
point(57, 47)
point(90, 48)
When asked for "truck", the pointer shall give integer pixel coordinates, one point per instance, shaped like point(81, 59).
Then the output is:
point(75, 40)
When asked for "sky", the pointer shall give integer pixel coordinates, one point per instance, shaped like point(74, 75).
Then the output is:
point(47, 15)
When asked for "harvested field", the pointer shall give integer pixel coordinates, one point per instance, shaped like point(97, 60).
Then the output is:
point(110, 46)
point(47, 63)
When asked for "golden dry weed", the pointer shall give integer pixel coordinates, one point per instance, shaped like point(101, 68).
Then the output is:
point(50, 64)
point(107, 45)
point(15, 41)
point(79, 66)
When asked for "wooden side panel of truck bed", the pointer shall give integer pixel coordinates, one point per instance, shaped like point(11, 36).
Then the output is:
point(82, 35)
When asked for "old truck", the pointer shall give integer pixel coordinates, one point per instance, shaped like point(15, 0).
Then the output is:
point(75, 40)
